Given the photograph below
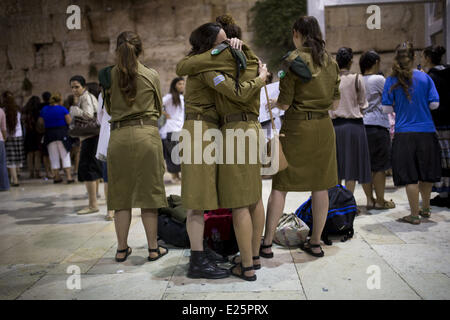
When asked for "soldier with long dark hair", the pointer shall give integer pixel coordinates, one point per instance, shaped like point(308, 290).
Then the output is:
point(135, 157)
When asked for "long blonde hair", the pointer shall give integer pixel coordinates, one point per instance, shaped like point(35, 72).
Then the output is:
point(402, 68)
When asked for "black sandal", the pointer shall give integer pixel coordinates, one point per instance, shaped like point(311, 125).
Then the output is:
point(263, 254)
point(255, 266)
point(127, 250)
point(243, 270)
point(307, 249)
point(159, 253)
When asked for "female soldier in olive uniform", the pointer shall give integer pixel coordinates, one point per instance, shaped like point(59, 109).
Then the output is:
point(135, 157)
point(239, 185)
point(309, 140)
point(199, 186)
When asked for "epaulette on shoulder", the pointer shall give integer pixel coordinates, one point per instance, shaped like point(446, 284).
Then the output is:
point(238, 55)
point(294, 63)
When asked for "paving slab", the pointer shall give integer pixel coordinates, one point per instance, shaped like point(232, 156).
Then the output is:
point(124, 286)
point(343, 274)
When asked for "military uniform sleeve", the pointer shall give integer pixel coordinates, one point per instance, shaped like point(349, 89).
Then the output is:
point(226, 85)
point(154, 84)
point(287, 89)
point(204, 62)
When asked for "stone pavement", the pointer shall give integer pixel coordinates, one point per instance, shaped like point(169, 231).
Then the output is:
point(41, 237)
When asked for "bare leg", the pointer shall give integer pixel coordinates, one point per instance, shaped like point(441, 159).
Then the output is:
point(319, 206)
point(47, 166)
point(91, 189)
point(13, 175)
point(122, 223)
point(243, 228)
point(68, 173)
point(275, 208)
point(150, 222)
point(56, 176)
point(195, 225)
point(350, 185)
point(368, 190)
point(37, 164)
point(110, 213)
point(30, 162)
point(425, 191)
point(379, 181)
point(412, 191)
point(258, 219)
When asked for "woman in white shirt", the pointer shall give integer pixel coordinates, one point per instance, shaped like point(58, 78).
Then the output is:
point(174, 111)
point(15, 153)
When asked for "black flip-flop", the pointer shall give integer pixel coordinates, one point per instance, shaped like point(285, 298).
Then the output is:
point(307, 249)
point(159, 253)
point(127, 250)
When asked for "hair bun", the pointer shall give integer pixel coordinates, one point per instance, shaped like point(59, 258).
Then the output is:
point(225, 19)
point(440, 50)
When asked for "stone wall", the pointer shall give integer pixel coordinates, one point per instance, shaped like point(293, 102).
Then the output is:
point(36, 43)
point(346, 27)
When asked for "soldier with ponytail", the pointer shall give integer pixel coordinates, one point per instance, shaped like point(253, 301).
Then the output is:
point(135, 156)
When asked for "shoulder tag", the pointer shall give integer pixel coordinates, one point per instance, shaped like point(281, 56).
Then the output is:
point(294, 63)
point(219, 48)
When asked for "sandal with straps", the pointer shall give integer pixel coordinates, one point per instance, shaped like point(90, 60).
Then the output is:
point(255, 266)
point(127, 250)
point(307, 249)
point(410, 219)
point(263, 254)
point(243, 270)
point(159, 253)
point(426, 212)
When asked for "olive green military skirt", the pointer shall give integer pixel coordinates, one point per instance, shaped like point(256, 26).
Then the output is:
point(135, 168)
point(240, 183)
point(198, 179)
point(310, 149)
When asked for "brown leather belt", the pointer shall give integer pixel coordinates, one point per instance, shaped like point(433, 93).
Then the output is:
point(201, 117)
point(134, 122)
point(307, 115)
point(236, 117)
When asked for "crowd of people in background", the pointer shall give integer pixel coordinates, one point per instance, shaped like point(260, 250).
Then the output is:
point(367, 125)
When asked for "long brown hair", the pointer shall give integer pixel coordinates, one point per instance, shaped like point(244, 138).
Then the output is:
point(129, 47)
point(312, 37)
point(404, 56)
point(11, 110)
point(176, 101)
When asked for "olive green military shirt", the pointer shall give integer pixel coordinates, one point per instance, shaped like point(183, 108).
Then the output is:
point(315, 95)
point(148, 96)
point(219, 73)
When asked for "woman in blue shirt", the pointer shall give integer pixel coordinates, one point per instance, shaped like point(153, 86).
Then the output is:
point(416, 161)
point(56, 119)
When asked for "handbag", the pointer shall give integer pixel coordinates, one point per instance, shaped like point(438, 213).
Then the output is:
point(291, 231)
point(282, 161)
point(83, 127)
